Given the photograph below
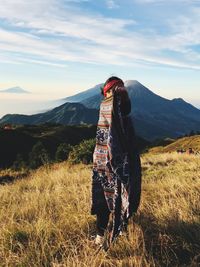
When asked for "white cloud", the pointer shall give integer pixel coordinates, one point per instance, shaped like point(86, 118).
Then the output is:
point(55, 35)
point(112, 4)
point(167, 2)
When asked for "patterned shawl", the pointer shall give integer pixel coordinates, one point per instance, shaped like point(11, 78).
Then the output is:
point(116, 179)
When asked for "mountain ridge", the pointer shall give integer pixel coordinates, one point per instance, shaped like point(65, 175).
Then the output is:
point(154, 116)
point(68, 113)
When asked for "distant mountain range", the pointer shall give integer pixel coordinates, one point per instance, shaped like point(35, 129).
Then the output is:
point(153, 116)
point(15, 90)
point(67, 114)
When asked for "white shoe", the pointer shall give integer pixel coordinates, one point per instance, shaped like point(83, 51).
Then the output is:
point(99, 240)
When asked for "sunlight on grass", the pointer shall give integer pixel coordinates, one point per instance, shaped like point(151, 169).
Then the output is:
point(45, 218)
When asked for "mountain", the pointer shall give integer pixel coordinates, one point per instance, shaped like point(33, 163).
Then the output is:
point(94, 91)
point(154, 116)
point(15, 90)
point(68, 114)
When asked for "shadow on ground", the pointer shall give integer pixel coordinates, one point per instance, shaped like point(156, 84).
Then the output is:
point(6, 179)
point(176, 243)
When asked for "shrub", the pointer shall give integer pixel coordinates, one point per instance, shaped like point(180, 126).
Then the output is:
point(19, 163)
point(38, 156)
point(16, 240)
point(82, 153)
point(62, 152)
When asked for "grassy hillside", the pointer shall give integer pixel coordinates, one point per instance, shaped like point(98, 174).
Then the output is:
point(182, 143)
point(45, 218)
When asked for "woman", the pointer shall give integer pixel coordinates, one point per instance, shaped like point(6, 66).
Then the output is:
point(116, 180)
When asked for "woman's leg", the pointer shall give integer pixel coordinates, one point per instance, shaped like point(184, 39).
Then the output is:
point(102, 221)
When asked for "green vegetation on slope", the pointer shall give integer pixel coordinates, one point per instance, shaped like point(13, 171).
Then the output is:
point(19, 142)
point(24, 144)
point(45, 218)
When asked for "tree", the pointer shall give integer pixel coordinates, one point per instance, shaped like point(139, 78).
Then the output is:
point(38, 156)
point(62, 152)
point(19, 163)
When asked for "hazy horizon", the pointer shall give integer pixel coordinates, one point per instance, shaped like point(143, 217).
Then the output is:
point(32, 103)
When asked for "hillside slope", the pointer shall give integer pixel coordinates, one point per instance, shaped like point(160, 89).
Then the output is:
point(83, 95)
point(182, 143)
point(21, 140)
point(45, 218)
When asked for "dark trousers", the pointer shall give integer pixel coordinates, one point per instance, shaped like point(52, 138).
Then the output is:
point(102, 221)
point(103, 216)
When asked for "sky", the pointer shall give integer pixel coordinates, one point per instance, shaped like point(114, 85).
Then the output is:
point(56, 48)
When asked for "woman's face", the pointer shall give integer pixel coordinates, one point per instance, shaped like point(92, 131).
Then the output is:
point(109, 93)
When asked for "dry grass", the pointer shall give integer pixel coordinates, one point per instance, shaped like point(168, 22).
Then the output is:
point(45, 220)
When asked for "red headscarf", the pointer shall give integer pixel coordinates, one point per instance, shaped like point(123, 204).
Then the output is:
point(109, 85)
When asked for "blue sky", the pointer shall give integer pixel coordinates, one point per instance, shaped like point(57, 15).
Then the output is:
point(61, 47)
